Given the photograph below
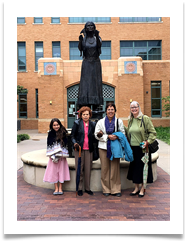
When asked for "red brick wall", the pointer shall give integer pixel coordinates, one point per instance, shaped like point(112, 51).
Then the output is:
point(126, 86)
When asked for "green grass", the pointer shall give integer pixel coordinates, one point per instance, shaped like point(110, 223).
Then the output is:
point(163, 134)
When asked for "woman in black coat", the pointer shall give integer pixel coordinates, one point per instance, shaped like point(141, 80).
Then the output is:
point(83, 135)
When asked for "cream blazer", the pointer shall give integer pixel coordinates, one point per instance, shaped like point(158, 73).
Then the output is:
point(100, 126)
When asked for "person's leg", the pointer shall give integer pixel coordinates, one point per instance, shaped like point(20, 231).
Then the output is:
point(136, 189)
point(115, 181)
point(60, 187)
point(105, 171)
point(56, 187)
point(87, 169)
point(142, 190)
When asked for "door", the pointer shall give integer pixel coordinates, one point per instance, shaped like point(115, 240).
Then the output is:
point(72, 97)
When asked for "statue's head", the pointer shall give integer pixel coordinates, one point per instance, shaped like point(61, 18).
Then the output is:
point(89, 27)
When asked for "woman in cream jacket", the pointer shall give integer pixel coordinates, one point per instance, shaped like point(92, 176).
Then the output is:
point(110, 170)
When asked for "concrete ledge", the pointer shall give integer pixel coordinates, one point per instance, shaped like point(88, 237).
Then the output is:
point(35, 162)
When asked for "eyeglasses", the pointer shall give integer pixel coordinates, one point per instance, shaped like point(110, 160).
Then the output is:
point(134, 107)
point(110, 109)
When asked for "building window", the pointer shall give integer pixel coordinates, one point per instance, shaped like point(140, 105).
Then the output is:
point(56, 49)
point(38, 20)
point(147, 50)
point(86, 19)
point(55, 20)
point(139, 19)
point(74, 53)
point(156, 102)
point(106, 50)
point(36, 103)
point(22, 105)
point(21, 56)
point(20, 20)
point(38, 53)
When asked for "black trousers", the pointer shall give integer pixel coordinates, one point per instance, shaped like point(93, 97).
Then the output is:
point(135, 172)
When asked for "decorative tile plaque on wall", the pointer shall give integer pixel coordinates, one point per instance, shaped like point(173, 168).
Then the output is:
point(49, 68)
point(130, 67)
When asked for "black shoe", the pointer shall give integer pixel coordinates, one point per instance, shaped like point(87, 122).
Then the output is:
point(141, 195)
point(117, 194)
point(106, 194)
point(134, 194)
point(80, 193)
point(89, 192)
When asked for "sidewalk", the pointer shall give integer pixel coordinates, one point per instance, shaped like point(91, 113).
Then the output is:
point(35, 203)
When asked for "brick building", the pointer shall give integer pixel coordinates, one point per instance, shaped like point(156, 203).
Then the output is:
point(135, 63)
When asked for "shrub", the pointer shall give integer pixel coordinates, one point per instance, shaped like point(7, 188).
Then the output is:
point(23, 137)
point(18, 139)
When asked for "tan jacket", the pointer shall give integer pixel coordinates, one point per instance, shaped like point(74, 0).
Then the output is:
point(148, 133)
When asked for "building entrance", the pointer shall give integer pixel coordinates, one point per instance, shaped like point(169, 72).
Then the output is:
point(72, 97)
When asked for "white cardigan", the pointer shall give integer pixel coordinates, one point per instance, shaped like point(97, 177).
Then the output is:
point(100, 126)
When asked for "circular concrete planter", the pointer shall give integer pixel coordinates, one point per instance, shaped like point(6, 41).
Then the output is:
point(35, 162)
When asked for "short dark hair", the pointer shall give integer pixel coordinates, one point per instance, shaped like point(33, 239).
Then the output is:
point(83, 109)
point(110, 104)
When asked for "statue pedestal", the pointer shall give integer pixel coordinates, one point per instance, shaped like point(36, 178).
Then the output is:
point(35, 162)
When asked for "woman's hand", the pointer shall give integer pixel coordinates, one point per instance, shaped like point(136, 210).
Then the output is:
point(145, 144)
point(76, 145)
point(99, 134)
point(112, 137)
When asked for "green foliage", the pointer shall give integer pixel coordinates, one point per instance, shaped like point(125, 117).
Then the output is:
point(18, 139)
point(22, 137)
point(20, 89)
point(163, 134)
point(166, 106)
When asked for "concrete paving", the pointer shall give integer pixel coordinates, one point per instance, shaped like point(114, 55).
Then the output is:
point(39, 141)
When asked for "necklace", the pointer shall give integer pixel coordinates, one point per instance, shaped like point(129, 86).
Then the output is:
point(91, 40)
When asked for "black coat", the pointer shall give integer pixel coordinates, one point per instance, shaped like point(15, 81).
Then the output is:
point(77, 134)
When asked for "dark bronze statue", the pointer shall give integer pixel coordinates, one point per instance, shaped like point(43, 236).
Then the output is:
point(90, 88)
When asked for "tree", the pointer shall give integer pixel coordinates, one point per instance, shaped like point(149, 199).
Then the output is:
point(166, 106)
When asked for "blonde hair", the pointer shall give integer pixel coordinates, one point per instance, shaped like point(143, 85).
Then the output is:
point(140, 112)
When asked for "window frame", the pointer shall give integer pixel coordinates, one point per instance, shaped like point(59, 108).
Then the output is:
point(53, 18)
point(133, 47)
point(22, 112)
point(37, 110)
point(134, 20)
point(56, 47)
point(18, 65)
point(106, 48)
point(155, 98)
point(41, 18)
point(78, 52)
point(83, 20)
point(36, 65)
point(19, 18)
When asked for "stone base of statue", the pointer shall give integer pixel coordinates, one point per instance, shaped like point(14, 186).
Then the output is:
point(35, 163)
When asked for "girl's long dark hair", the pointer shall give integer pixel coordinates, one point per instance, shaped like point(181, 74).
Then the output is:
point(61, 133)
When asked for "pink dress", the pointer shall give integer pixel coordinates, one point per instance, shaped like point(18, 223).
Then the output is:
point(57, 172)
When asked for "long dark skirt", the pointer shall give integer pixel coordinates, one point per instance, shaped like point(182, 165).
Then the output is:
point(135, 172)
point(90, 88)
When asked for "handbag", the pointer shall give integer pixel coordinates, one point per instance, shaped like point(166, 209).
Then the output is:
point(153, 147)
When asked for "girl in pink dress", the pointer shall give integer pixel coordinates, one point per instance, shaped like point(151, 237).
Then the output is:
point(57, 170)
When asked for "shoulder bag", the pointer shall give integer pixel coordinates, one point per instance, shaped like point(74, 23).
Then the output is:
point(153, 147)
